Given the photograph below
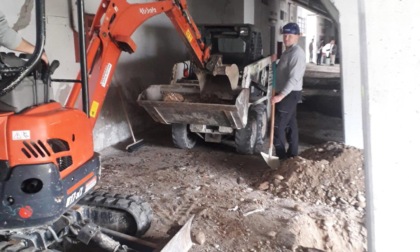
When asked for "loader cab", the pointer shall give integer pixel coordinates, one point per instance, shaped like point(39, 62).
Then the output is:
point(239, 44)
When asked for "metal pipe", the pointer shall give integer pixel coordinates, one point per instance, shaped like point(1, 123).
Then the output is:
point(83, 62)
point(66, 80)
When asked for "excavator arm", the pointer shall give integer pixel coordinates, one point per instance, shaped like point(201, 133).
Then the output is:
point(113, 25)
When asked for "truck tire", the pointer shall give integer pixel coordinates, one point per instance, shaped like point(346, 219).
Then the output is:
point(262, 122)
point(245, 138)
point(182, 137)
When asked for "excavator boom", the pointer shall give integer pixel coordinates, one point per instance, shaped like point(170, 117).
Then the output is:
point(113, 25)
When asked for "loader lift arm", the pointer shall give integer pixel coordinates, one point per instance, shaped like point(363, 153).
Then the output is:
point(109, 38)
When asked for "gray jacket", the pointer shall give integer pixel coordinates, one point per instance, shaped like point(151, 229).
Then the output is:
point(290, 70)
point(8, 37)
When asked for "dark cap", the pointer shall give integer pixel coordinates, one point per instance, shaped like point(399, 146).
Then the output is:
point(291, 28)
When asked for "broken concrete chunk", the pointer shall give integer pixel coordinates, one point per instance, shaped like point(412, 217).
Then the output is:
point(271, 234)
point(175, 97)
point(264, 186)
point(199, 238)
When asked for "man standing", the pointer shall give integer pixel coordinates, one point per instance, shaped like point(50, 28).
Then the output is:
point(311, 51)
point(330, 51)
point(290, 71)
point(333, 52)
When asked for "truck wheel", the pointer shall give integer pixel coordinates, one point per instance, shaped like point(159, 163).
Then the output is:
point(245, 138)
point(182, 137)
point(261, 114)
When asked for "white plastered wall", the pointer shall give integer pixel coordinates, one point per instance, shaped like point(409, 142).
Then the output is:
point(349, 42)
point(391, 91)
point(380, 92)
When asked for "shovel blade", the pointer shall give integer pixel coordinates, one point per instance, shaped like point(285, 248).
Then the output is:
point(272, 161)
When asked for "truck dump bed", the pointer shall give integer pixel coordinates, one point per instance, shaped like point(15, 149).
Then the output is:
point(187, 106)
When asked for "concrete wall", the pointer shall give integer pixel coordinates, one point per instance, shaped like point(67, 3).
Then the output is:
point(217, 11)
point(349, 42)
point(391, 91)
point(261, 14)
point(380, 93)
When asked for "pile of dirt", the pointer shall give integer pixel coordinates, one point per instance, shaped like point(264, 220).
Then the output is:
point(314, 202)
point(330, 174)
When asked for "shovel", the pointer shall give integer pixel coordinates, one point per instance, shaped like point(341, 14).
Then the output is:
point(136, 143)
point(272, 161)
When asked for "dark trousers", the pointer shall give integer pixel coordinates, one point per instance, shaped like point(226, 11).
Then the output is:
point(318, 58)
point(285, 126)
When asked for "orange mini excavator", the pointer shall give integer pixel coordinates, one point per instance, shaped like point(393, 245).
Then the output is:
point(48, 166)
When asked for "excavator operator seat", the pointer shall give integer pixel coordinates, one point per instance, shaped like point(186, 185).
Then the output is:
point(30, 92)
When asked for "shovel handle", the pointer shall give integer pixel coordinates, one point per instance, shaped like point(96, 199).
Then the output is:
point(270, 150)
point(273, 106)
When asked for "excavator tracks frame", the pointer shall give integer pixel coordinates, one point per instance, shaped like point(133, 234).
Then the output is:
point(82, 225)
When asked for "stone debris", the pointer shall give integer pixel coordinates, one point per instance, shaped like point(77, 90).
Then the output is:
point(199, 238)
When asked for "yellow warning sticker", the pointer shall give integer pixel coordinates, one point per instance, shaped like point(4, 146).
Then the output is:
point(189, 35)
point(94, 109)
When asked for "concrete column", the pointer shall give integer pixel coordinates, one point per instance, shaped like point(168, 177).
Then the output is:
point(349, 46)
point(249, 7)
point(391, 90)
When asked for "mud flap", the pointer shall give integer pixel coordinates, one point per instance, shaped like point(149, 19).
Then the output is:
point(181, 242)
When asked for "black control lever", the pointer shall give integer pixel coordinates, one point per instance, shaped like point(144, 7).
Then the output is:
point(53, 66)
point(50, 71)
point(47, 78)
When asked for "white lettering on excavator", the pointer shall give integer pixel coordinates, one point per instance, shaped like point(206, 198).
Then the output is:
point(74, 196)
point(105, 76)
point(145, 11)
point(21, 135)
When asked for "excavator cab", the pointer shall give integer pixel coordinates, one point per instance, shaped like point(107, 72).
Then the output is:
point(34, 87)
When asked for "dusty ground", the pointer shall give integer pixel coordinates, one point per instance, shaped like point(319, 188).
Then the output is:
point(314, 201)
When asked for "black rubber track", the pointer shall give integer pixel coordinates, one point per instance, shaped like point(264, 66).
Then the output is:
point(102, 205)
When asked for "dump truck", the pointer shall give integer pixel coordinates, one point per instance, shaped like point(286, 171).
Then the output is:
point(228, 106)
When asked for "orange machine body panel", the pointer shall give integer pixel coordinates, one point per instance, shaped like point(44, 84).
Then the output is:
point(32, 135)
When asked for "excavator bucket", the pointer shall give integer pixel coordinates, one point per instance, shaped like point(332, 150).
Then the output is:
point(181, 242)
point(221, 80)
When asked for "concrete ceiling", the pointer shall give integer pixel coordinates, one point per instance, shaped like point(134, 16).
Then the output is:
point(313, 5)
